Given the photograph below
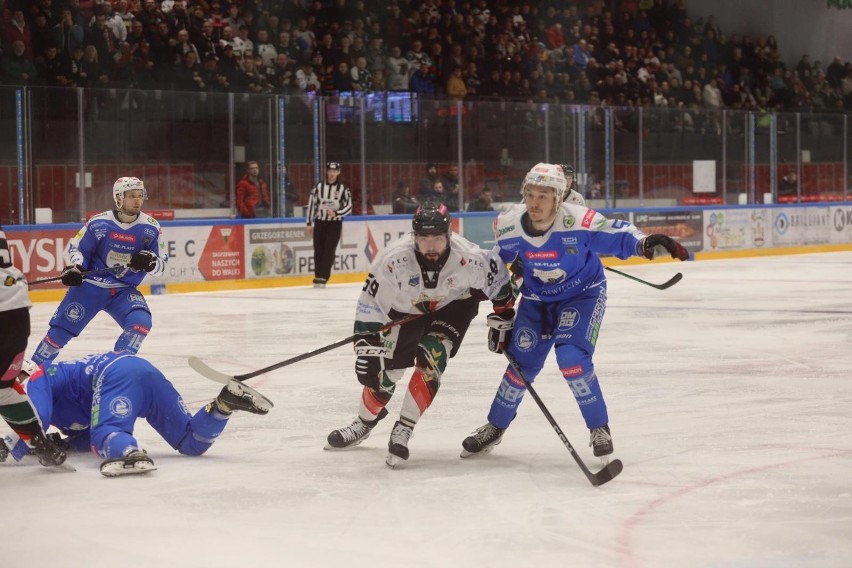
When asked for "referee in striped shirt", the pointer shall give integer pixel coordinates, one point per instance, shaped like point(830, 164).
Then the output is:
point(329, 203)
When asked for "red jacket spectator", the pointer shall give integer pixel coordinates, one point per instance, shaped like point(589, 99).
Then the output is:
point(251, 190)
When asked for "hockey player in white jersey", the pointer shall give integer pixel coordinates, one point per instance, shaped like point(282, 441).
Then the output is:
point(432, 272)
point(15, 407)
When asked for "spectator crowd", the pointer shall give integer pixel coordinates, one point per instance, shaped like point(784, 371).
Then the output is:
point(647, 53)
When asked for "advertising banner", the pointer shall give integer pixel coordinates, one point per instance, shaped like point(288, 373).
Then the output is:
point(735, 229)
point(279, 250)
point(801, 226)
point(40, 253)
point(841, 224)
point(685, 226)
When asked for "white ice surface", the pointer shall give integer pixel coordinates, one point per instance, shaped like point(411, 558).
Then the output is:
point(730, 401)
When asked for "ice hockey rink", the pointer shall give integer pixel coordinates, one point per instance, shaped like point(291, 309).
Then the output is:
point(730, 400)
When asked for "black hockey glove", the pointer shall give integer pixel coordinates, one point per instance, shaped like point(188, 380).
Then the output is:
point(72, 275)
point(673, 247)
point(143, 260)
point(500, 330)
point(46, 451)
point(370, 355)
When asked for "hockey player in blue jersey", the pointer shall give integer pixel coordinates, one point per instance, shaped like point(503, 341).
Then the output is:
point(125, 239)
point(96, 400)
point(555, 246)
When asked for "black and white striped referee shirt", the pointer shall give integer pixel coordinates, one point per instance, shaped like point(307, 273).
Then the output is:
point(329, 196)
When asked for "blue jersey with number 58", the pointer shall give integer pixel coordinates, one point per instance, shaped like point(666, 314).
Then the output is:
point(563, 261)
point(104, 241)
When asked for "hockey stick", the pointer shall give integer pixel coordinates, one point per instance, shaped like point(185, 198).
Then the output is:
point(204, 369)
point(608, 472)
point(667, 284)
point(84, 274)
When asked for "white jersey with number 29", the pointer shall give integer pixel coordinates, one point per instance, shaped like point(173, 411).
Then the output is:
point(398, 284)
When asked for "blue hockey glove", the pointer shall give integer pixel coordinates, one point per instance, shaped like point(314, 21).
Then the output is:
point(673, 247)
point(72, 275)
point(500, 330)
point(143, 260)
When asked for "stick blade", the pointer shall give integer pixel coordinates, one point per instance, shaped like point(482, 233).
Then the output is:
point(670, 282)
point(608, 473)
point(206, 370)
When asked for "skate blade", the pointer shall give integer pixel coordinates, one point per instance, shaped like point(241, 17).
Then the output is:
point(330, 448)
point(64, 467)
point(119, 470)
point(392, 461)
point(605, 460)
point(482, 452)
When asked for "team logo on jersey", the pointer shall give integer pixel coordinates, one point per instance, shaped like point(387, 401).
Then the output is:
point(568, 221)
point(75, 312)
point(568, 318)
point(554, 276)
point(571, 250)
point(414, 281)
point(9, 281)
point(120, 406)
point(525, 339)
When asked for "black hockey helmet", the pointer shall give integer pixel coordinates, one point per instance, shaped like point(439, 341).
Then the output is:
point(431, 219)
point(568, 170)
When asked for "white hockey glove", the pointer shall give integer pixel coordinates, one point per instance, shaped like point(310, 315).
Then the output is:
point(500, 330)
point(370, 352)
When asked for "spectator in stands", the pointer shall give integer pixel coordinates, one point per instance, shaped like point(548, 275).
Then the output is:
point(66, 34)
point(402, 202)
point(422, 82)
point(18, 30)
point(435, 193)
point(483, 201)
point(358, 207)
point(427, 182)
point(397, 71)
point(306, 78)
point(450, 183)
point(251, 192)
point(456, 87)
point(788, 186)
point(16, 68)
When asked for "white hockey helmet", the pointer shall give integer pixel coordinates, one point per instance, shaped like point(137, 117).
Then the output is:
point(547, 175)
point(124, 184)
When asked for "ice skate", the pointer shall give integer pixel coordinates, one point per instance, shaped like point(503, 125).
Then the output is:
point(239, 396)
point(135, 462)
point(353, 434)
point(601, 443)
point(320, 282)
point(482, 440)
point(398, 444)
